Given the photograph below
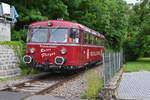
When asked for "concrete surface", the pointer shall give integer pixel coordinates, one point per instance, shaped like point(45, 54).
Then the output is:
point(47, 97)
point(134, 86)
point(26, 96)
point(5, 31)
point(13, 95)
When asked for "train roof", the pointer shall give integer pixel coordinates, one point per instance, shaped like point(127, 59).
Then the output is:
point(65, 24)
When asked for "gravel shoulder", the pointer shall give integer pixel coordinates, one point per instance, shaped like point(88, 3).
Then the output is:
point(77, 86)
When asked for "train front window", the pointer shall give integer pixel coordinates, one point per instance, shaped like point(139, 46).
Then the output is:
point(39, 35)
point(58, 35)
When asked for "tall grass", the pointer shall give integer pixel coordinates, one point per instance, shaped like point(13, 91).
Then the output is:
point(94, 83)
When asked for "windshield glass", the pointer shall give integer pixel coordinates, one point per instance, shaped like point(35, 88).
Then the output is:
point(53, 35)
point(58, 35)
point(39, 35)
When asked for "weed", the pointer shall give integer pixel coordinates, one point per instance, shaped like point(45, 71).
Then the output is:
point(94, 83)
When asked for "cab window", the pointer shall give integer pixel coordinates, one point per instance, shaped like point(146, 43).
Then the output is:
point(74, 36)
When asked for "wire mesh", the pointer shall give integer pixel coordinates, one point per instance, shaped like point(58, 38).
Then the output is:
point(112, 62)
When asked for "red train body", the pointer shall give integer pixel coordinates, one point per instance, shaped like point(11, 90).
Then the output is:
point(59, 44)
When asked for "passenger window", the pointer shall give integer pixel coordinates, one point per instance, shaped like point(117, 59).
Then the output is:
point(85, 37)
point(102, 42)
point(94, 40)
point(99, 41)
point(89, 38)
point(75, 35)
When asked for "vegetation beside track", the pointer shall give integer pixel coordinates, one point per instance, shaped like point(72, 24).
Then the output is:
point(94, 83)
point(138, 65)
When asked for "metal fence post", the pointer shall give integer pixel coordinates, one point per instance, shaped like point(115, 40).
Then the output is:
point(104, 68)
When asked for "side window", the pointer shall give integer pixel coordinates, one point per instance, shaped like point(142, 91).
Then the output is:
point(89, 38)
point(80, 36)
point(85, 38)
point(94, 40)
point(75, 35)
point(98, 41)
point(102, 42)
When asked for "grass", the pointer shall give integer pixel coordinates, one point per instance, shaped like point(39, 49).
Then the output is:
point(140, 64)
point(94, 83)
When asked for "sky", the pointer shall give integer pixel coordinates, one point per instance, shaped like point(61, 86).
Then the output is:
point(132, 1)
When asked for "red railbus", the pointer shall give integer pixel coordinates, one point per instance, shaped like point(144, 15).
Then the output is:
point(62, 45)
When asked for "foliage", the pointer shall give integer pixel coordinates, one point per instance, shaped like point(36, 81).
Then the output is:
point(140, 64)
point(115, 19)
point(19, 35)
point(94, 83)
point(139, 31)
point(132, 49)
point(106, 16)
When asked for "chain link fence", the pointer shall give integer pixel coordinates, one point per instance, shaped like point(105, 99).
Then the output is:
point(112, 62)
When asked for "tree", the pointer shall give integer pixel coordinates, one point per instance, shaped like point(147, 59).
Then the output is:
point(139, 30)
point(109, 17)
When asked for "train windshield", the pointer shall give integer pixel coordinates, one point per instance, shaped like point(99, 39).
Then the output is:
point(51, 35)
point(58, 35)
point(39, 35)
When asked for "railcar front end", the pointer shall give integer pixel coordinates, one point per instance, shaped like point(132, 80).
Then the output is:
point(59, 45)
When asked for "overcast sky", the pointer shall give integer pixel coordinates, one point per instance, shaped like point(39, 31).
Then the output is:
point(132, 1)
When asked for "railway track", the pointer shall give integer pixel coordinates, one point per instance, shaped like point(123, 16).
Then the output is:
point(43, 84)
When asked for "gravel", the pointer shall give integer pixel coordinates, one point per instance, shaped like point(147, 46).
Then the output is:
point(74, 88)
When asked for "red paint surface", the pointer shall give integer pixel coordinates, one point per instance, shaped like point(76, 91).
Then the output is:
point(76, 55)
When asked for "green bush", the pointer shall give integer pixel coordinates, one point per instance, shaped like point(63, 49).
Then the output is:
point(132, 50)
point(19, 35)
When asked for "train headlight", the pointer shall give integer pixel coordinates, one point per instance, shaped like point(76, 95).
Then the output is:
point(27, 59)
point(63, 51)
point(32, 50)
point(59, 60)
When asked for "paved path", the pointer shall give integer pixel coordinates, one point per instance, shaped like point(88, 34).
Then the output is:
point(134, 86)
point(26, 96)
